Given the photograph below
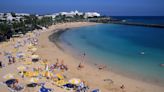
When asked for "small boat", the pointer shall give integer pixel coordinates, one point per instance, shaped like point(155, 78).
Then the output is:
point(142, 53)
point(162, 65)
point(123, 20)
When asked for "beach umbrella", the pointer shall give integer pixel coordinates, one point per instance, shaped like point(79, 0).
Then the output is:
point(28, 63)
point(8, 76)
point(30, 46)
point(74, 81)
point(48, 74)
point(59, 76)
point(15, 50)
point(21, 68)
point(35, 56)
point(34, 49)
point(34, 80)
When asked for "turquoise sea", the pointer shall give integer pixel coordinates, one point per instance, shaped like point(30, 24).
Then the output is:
point(131, 51)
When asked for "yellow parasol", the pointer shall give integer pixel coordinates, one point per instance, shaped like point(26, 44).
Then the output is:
point(35, 56)
point(15, 50)
point(74, 81)
point(28, 63)
point(48, 74)
point(60, 82)
point(34, 80)
point(30, 46)
point(59, 76)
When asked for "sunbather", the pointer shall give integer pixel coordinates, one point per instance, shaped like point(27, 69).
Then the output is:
point(13, 59)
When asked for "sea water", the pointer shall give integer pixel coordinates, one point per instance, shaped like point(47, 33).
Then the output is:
point(142, 19)
point(133, 51)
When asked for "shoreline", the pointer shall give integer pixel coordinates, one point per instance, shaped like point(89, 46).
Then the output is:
point(106, 81)
point(144, 84)
point(54, 38)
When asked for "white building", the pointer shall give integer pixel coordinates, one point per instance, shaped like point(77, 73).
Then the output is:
point(22, 14)
point(71, 14)
point(39, 17)
point(91, 14)
point(9, 17)
point(53, 16)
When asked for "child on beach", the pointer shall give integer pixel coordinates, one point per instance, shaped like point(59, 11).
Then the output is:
point(13, 59)
point(10, 61)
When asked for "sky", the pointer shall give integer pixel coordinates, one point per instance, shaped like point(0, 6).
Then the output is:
point(105, 7)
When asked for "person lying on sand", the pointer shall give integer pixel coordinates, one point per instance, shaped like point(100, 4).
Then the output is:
point(100, 67)
point(122, 87)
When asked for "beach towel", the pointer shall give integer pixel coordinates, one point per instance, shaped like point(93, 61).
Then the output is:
point(96, 90)
point(43, 89)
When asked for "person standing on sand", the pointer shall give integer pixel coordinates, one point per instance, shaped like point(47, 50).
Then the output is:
point(0, 60)
point(82, 62)
point(0, 64)
point(10, 61)
point(13, 59)
point(56, 65)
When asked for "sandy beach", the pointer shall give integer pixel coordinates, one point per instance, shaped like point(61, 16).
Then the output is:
point(104, 80)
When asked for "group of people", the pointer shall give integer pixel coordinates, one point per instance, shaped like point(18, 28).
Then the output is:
point(82, 87)
point(11, 59)
point(59, 65)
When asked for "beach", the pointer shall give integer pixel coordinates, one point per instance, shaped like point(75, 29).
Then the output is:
point(105, 80)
